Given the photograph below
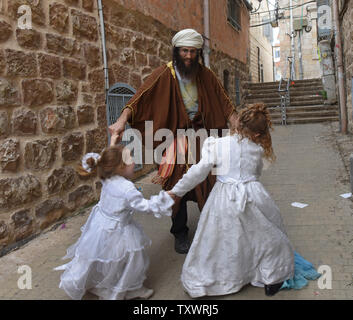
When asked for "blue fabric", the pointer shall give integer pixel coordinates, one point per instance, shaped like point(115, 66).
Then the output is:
point(303, 271)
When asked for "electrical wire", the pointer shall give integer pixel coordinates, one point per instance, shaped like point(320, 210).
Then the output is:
point(284, 8)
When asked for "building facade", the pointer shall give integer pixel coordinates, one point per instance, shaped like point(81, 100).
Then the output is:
point(346, 23)
point(305, 39)
point(52, 90)
point(261, 38)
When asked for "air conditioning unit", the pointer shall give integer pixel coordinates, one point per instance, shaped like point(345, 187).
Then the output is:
point(299, 24)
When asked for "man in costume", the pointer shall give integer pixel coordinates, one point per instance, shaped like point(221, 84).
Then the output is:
point(183, 94)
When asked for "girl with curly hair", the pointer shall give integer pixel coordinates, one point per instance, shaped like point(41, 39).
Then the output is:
point(240, 238)
point(110, 259)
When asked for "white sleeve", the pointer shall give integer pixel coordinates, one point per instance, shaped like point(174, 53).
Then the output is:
point(198, 172)
point(158, 205)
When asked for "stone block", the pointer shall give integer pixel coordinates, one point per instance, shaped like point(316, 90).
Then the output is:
point(127, 57)
point(59, 17)
point(37, 11)
point(84, 26)
point(66, 92)
point(49, 66)
point(85, 114)
point(15, 192)
point(23, 225)
point(96, 79)
point(102, 116)
point(62, 46)
point(74, 70)
point(37, 92)
point(81, 197)
point(92, 55)
point(4, 230)
point(4, 124)
point(62, 179)
point(72, 147)
point(40, 154)
point(121, 73)
point(141, 59)
point(24, 122)
point(154, 61)
point(57, 119)
point(2, 63)
point(144, 44)
point(50, 211)
point(96, 140)
point(21, 64)
point(88, 5)
point(9, 95)
point(135, 80)
point(29, 39)
point(9, 155)
point(74, 3)
point(5, 31)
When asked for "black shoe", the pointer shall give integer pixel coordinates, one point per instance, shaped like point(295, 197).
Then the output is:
point(272, 289)
point(181, 244)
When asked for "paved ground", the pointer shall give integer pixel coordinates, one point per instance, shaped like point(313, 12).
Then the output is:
point(309, 169)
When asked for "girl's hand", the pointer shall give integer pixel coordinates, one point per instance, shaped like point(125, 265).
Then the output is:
point(114, 139)
point(172, 195)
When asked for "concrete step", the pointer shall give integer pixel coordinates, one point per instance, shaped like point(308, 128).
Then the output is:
point(297, 83)
point(308, 114)
point(305, 120)
point(293, 99)
point(320, 107)
point(275, 93)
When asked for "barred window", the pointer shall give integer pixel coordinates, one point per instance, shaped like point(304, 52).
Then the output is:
point(234, 13)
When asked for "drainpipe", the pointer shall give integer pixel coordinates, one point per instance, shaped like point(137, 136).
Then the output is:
point(206, 25)
point(339, 66)
point(293, 70)
point(101, 19)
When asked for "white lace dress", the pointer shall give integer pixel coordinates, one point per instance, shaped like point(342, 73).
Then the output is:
point(240, 238)
point(109, 259)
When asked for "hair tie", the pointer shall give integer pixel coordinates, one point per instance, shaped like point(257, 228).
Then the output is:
point(87, 156)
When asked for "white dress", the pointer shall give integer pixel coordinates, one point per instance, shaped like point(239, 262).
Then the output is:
point(240, 238)
point(109, 259)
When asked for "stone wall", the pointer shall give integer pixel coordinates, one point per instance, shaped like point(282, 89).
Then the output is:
point(51, 112)
point(347, 40)
point(52, 100)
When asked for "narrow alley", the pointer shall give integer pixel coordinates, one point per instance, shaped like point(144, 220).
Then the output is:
point(308, 170)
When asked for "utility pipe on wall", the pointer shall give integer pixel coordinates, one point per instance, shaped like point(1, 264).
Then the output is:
point(339, 66)
point(101, 19)
point(206, 25)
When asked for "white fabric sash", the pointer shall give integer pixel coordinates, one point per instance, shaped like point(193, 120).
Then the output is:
point(237, 191)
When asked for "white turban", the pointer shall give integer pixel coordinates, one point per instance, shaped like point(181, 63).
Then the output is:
point(188, 38)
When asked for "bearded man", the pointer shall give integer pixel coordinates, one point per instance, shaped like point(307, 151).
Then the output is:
point(183, 94)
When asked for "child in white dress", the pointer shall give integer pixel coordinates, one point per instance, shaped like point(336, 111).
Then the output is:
point(109, 259)
point(240, 238)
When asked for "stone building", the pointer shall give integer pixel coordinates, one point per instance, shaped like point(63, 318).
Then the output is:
point(346, 23)
point(305, 40)
point(52, 90)
point(261, 37)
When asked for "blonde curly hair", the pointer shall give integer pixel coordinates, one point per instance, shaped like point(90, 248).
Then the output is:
point(254, 123)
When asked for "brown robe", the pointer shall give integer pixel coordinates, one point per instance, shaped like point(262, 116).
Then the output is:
point(159, 100)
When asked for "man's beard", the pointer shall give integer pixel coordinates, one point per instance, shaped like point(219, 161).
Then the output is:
point(190, 71)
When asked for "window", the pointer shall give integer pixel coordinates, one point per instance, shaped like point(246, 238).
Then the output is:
point(234, 13)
